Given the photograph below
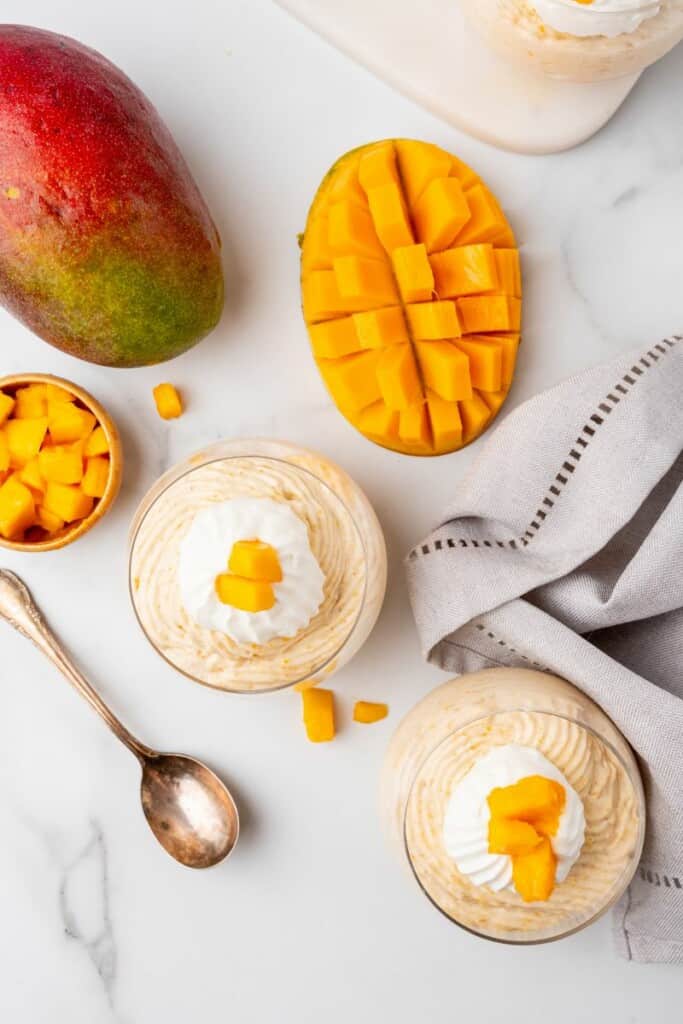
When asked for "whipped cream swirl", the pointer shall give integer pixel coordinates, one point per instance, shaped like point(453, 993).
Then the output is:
point(600, 18)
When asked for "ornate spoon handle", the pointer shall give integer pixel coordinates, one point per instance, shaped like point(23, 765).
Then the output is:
point(18, 608)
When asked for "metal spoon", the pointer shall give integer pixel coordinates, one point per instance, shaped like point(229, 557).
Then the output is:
point(187, 807)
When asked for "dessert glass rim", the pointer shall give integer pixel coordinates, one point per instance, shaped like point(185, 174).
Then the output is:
point(629, 870)
point(173, 479)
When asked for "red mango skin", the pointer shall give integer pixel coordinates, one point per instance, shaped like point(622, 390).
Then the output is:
point(107, 249)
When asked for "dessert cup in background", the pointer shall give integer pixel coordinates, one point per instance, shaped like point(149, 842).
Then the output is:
point(579, 41)
point(454, 730)
point(334, 567)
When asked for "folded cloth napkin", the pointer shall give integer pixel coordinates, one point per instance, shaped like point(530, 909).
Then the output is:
point(563, 549)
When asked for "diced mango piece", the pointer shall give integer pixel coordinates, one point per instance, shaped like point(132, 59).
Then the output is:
point(353, 380)
point(246, 595)
point(486, 362)
point(512, 837)
point(465, 270)
point(530, 799)
point(168, 401)
point(431, 321)
point(509, 273)
point(414, 429)
point(509, 344)
point(475, 414)
point(4, 453)
point(367, 712)
point(361, 279)
point(390, 216)
point(379, 327)
point(334, 338)
point(56, 394)
point(445, 369)
point(494, 399)
point(97, 443)
point(344, 184)
point(377, 167)
point(31, 402)
point(419, 163)
point(487, 222)
point(96, 476)
point(17, 508)
point(48, 520)
point(398, 377)
point(413, 273)
point(480, 314)
point(440, 213)
point(445, 421)
point(533, 873)
point(352, 232)
point(317, 255)
point(323, 300)
point(62, 464)
point(71, 423)
point(379, 423)
point(463, 172)
point(7, 404)
point(31, 475)
point(255, 560)
point(24, 438)
point(67, 502)
point(318, 714)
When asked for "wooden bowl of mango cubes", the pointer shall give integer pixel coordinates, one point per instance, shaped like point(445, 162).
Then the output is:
point(60, 462)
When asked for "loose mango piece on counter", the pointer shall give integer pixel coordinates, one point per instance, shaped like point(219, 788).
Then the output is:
point(31, 402)
point(533, 873)
point(447, 270)
point(32, 477)
point(255, 560)
point(70, 423)
point(246, 595)
point(168, 403)
point(430, 321)
point(413, 273)
point(465, 270)
point(97, 443)
point(24, 438)
point(67, 502)
point(62, 464)
point(440, 213)
point(318, 711)
point(48, 520)
point(367, 712)
point(512, 837)
point(17, 508)
point(96, 476)
point(7, 404)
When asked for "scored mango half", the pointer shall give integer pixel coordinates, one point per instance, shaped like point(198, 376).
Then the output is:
point(411, 291)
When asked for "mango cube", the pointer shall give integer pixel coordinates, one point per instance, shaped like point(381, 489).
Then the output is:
point(378, 167)
point(398, 377)
point(323, 301)
point(445, 369)
point(32, 477)
point(475, 414)
point(4, 453)
point(350, 231)
point(377, 328)
point(414, 428)
point(67, 502)
point(359, 278)
point(482, 314)
point(24, 438)
point(431, 321)
point(48, 520)
point(332, 339)
point(486, 362)
point(353, 380)
point(56, 394)
point(168, 403)
point(413, 273)
point(532, 798)
point(440, 213)
point(62, 464)
point(419, 163)
point(17, 508)
point(445, 420)
point(390, 216)
point(31, 402)
point(379, 423)
point(509, 273)
point(367, 712)
point(255, 561)
point(70, 423)
point(318, 714)
point(487, 221)
point(465, 270)
point(96, 476)
point(533, 873)
point(97, 443)
point(246, 595)
point(7, 404)
point(512, 837)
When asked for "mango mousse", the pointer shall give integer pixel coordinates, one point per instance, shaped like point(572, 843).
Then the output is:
point(412, 291)
point(516, 803)
point(257, 565)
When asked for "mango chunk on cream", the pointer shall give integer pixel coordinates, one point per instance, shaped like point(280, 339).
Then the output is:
point(523, 817)
point(253, 567)
point(247, 595)
point(318, 713)
point(404, 248)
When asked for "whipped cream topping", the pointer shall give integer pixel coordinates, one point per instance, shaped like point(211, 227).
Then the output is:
point(466, 822)
point(600, 18)
point(204, 553)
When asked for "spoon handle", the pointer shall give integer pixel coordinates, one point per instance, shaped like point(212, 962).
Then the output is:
point(19, 609)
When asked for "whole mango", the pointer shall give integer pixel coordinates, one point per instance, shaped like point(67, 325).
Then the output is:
point(107, 249)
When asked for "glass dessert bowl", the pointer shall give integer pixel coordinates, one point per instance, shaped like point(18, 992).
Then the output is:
point(579, 40)
point(255, 566)
point(516, 803)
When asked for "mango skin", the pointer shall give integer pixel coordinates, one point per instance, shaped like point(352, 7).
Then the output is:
point(107, 249)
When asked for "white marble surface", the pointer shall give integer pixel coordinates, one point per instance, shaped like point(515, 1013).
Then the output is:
point(310, 920)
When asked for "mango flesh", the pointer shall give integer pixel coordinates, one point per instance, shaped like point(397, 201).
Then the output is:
point(411, 293)
point(107, 249)
point(318, 714)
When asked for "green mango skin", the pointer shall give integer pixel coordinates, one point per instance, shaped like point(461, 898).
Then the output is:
point(107, 249)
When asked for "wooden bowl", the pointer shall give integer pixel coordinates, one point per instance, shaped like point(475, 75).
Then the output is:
point(72, 532)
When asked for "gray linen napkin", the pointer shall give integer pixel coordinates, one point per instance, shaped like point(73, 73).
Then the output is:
point(563, 549)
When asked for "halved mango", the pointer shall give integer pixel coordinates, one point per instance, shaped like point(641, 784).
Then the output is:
point(446, 268)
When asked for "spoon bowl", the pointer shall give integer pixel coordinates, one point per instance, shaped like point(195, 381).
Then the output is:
point(188, 809)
